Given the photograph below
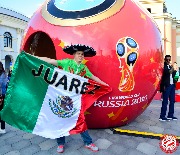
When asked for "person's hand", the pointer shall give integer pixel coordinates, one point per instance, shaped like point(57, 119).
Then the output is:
point(175, 66)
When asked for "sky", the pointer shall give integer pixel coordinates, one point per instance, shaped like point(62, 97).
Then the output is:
point(28, 7)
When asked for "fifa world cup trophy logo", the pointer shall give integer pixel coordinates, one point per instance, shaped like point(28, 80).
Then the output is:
point(127, 53)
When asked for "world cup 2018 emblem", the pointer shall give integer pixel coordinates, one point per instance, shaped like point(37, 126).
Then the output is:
point(127, 53)
point(62, 106)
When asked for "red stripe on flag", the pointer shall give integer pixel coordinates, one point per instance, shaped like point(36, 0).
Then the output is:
point(87, 101)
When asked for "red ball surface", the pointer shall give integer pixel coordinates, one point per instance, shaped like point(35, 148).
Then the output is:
point(129, 55)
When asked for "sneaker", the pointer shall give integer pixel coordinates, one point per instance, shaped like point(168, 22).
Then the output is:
point(2, 131)
point(92, 147)
point(172, 118)
point(60, 149)
point(163, 119)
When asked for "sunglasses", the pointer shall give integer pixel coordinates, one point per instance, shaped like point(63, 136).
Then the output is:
point(168, 59)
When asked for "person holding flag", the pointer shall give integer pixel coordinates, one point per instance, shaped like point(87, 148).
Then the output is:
point(75, 66)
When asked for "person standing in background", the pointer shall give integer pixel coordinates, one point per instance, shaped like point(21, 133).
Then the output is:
point(9, 75)
point(167, 87)
point(3, 86)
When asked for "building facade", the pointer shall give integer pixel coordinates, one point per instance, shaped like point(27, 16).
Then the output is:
point(168, 25)
point(12, 26)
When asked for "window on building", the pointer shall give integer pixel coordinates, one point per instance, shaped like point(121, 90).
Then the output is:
point(7, 39)
point(149, 9)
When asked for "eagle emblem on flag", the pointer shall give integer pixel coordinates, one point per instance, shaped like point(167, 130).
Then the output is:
point(62, 106)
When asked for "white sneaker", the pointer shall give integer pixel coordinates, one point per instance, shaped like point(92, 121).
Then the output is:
point(60, 149)
point(2, 131)
point(92, 147)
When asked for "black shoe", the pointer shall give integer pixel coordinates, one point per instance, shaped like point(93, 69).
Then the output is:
point(172, 118)
point(163, 119)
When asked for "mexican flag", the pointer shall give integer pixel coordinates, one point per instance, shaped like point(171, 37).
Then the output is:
point(47, 101)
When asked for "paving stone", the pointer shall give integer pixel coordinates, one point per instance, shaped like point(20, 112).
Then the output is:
point(160, 152)
point(155, 116)
point(147, 112)
point(93, 131)
point(11, 127)
point(142, 126)
point(177, 151)
point(20, 132)
point(37, 140)
point(156, 129)
point(118, 149)
point(178, 122)
point(163, 124)
point(42, 152)
point(133, 152)
point(116, 138)
point(149, 122)
point(109, 131)
point(175, 127)
point(48, 144)
point(30, 150)
point(145, 117)
point(132, 124)
point(74, 144)
point(28, 136)
point(103, 152)
point(124, 136)
point(68, 139)
point(128, 127)
point(72, 152)
point(13, 140)
point(171, 131)
point(140, 139)
point(139, 120)
point(21, 144)
point(154, 142)
point(18, 142)
point(2, 142)
point(129, 143)
point(147, 148)
point(102, 134)
point(103, 143)
point(13, 153)
point(5, 149)
point(7, 135)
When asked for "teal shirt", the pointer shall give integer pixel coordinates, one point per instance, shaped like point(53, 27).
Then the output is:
point(71, 66)
point(176, 77)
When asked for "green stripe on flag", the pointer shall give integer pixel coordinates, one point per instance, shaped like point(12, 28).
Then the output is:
point(25, 91)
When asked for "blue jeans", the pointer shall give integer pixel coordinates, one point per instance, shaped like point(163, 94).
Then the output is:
point(85, 136)
point(168, 94)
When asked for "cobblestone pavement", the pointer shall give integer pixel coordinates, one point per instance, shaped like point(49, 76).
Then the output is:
point(17, 142)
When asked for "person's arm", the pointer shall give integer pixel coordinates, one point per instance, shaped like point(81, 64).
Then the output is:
point(95, 78)
point(173, 69)
point(48, 60)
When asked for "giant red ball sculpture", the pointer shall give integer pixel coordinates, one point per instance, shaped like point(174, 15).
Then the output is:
point(128, 45)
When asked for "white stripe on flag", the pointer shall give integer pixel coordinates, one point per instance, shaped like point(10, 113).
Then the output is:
point(50, 125)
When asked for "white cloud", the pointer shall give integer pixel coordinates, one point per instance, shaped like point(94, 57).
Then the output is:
point(63, 1)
